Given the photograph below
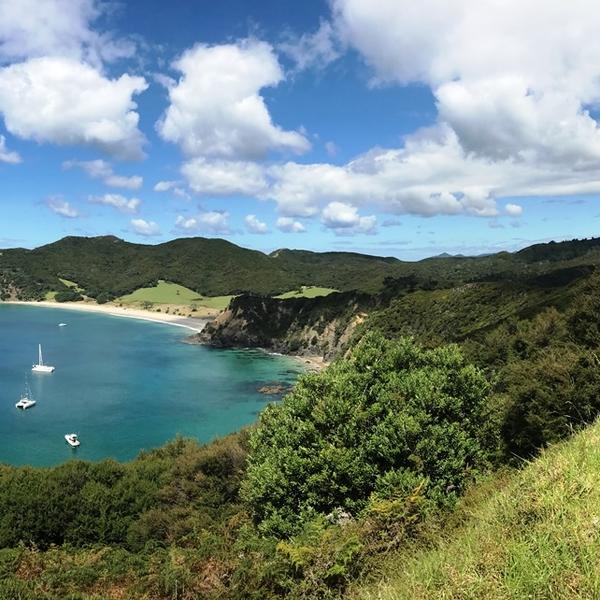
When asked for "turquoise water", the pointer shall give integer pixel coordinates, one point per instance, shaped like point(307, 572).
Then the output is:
point(122, 384)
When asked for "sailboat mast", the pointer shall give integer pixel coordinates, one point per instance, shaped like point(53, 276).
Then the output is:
point(41, 362)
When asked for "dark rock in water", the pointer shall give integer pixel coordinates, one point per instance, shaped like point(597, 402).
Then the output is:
point(274, 389)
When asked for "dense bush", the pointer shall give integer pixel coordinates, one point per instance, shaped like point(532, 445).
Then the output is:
point(68, 296)
point(160, 497)
point(386, 419)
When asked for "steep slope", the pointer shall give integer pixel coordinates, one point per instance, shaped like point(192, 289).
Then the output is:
point(323, 326)
point(535, 534)
point(303, 326)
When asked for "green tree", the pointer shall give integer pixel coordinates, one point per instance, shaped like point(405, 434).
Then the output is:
point(385, 419)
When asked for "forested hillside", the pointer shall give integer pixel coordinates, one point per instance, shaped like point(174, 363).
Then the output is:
point(109, 267)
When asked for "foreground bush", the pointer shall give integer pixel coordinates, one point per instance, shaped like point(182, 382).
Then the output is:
point(386, 420)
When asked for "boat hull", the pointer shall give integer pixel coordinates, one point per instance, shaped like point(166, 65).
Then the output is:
point(25, 405)
point(73, 442)
point(42, 369)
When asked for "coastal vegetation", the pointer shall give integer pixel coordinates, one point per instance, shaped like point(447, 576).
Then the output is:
point(409, 468)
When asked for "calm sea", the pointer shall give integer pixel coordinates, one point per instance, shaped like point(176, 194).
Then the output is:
point(123, 385)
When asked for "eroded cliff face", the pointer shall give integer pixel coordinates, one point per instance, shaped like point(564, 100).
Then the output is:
point(300, 326)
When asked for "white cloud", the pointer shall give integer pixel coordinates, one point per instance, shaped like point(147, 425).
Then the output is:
point(100, 169)
point(62, 101)
point(145, 228)
point(255, 225)
point(165, 186)
point(514, 210)
point(35, 28)
point(122, 204)
point(215, 222)
point(172, 186)
point(216, 109)
point(62, 208)
point(224, 177)
point(7, 155)
point(317, 49)
point(513, 83)
point(345, 220)
point(288, 225)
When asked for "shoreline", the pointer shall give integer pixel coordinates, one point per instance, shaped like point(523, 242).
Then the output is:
point(196, 325)
point(313, 364)
point(191, 323)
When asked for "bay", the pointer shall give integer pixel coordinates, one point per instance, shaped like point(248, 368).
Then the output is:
point(122, 384)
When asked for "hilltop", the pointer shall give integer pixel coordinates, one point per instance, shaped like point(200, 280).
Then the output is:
point(111, 267)
point(107, 267)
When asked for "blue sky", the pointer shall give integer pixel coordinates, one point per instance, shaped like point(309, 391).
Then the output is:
point(397, 128)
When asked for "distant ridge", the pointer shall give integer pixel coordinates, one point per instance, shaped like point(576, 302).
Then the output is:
point(112, 267)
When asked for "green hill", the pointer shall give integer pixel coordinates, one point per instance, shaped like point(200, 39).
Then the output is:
point(108, 267)
point(210, 267)
point(533, 534)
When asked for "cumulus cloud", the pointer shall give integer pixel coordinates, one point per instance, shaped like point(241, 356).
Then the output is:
point(100, 169)
point(216, 109)
point(35, 28)
point(255, 225)
point(289, 225)
point(62, 101)
point(122, 204)
point(7, 155)
point(316, 50)
point(345, 220)
point(62, 208)
point(53, 87)
point(215, 222)
point(224, 177)
point(145, 228)
point(174, 187)
point(514, 210)
point(513, 84)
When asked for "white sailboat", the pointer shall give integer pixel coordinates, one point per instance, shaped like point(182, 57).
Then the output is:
point(41, 367)
point(72, 440)
point(26, 400)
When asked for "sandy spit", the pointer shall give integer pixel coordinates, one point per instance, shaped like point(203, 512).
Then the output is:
point(121, 311)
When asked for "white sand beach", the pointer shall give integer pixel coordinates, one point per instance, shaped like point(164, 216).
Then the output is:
point(117, 311)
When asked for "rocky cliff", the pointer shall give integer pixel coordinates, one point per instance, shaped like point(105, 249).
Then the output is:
point(301, 326)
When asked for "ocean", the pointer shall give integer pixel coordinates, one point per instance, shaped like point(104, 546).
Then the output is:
point(123, 385)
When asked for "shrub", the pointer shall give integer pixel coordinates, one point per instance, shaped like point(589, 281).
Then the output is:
point(390, 412)
point(68, 296)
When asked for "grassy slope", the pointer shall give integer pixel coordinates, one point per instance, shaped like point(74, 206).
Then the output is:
point(307, 292)
point(533, 535)
point(173, 293)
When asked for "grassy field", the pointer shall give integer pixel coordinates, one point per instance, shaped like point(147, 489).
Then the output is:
point(70, 284)
point(307, 292)
point(172, 293)
point(535, 535)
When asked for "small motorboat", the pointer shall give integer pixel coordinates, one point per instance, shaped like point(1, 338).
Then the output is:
point(26, 400)
point(72, 440)
point(62, 324)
